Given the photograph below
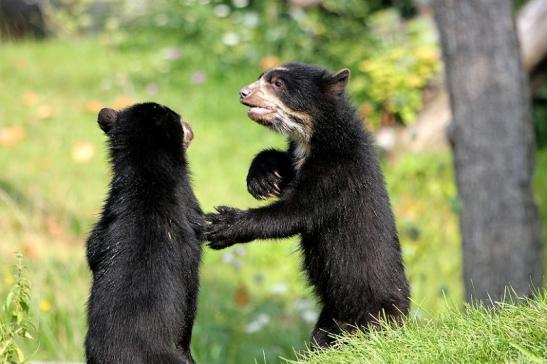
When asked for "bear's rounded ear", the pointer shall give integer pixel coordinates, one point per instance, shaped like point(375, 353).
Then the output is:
point(106, 119)
point(336, 83)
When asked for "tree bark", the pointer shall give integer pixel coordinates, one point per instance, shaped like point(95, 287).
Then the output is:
point(20, 18)
point(493, 144)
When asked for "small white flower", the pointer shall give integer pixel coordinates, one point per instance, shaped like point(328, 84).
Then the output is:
point(171, 54)
point(309, 316)
point(263, 318)
point(240, 250)
point(221, 10)
point(279, 288)
point(240, 3)
point(161, 20)
point(297, 14)
point(251, 19)
point(199, 78)
point(230, 39)
point(303, 304)
point(238, 264)
point(258, 324)
point(252, 327)
point(152, 89)
point(228, 258)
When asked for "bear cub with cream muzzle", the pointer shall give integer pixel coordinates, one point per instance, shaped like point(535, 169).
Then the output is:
point(331, 192)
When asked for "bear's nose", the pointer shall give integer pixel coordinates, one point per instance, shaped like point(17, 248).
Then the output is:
point(244, 92)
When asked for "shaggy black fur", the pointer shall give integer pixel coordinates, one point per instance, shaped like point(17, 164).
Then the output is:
point(335, 198)
point(145, 250)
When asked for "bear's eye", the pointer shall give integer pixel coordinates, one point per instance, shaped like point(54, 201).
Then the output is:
point(278, 83)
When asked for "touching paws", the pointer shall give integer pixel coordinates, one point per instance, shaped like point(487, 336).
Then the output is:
point(220, 227)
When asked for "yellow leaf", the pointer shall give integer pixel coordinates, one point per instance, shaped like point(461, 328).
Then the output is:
point(241, 296)
point(21, 63)
point(11, 136)
point(269, 62)
point(44, 112)
point(30, 250)
point(82, 152)
point(122, 102)
point(54, 227)
point(44, 305)
point(93, 106)
point(9, 280)
point(29, 98)
point(366, 109)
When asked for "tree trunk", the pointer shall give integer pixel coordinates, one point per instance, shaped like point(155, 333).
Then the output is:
point(20, 18)
point(493, 144)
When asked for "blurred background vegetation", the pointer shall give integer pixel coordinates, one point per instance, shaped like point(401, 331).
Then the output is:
point(194, 56)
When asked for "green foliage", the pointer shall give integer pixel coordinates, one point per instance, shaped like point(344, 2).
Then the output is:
point(391, 77)
point(15, 322)
point(70, 17)
point(514, 332)
point(423, 195)
point(392, 60)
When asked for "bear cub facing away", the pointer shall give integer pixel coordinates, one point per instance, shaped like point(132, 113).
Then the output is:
point(145, 250)
point(331, 192)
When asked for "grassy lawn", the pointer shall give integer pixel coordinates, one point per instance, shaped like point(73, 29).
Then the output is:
point(512, 334)
point(254, 303)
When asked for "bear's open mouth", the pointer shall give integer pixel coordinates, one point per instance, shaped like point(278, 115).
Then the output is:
point(257, 112)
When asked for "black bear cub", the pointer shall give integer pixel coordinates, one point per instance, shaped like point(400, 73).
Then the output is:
point(145, 250)
point(332, 193)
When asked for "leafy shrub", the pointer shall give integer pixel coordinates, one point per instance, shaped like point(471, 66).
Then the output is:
point(14, 317)
point(402, 61)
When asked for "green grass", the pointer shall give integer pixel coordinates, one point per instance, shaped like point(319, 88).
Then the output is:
point(513, 333)
point(48, 201)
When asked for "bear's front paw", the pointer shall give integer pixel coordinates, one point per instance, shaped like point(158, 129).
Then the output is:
point(220, 230)
point(266, 185)
point(268, 174)
point(219, 245)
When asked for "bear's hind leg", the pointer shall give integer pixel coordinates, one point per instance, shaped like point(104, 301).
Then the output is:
point(324, 329)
